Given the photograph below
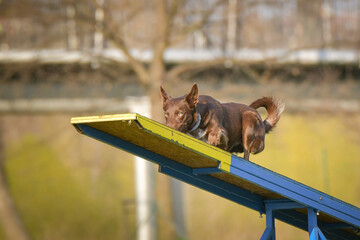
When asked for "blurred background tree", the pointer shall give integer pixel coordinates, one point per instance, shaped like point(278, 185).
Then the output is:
point(66, 57)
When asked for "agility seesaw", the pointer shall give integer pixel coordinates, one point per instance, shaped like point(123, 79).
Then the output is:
point(227, 175)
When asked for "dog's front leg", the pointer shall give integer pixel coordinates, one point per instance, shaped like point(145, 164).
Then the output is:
point(218, 137)
point(246, 155)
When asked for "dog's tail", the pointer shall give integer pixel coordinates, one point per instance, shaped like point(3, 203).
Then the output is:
point(273, 107)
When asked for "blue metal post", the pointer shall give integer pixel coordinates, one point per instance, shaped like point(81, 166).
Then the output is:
point(269, 233)
point(314, 231)
point(312, 220)
point(272, 205)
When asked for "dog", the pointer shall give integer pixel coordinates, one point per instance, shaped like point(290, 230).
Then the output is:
point(233, 127)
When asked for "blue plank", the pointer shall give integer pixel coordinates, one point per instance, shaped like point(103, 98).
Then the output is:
point(294, 190)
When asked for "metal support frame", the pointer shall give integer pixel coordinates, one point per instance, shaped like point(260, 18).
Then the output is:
point(281, 204)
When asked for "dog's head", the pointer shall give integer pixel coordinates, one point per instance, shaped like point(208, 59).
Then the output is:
point(179, 112)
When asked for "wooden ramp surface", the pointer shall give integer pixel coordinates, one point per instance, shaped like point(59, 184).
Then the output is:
point(217, 171)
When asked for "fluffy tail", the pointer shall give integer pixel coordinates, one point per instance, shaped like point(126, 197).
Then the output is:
point(273, 107)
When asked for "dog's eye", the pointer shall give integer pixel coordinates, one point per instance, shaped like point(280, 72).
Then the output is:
point(179, 114)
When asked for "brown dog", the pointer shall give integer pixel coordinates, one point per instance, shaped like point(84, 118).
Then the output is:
point(231, 126)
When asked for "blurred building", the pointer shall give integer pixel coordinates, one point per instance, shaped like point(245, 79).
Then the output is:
point(44, 41)
point(246, 30)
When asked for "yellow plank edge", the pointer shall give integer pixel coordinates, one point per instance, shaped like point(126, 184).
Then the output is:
point(183, 139)
point(104, 118)
point(225, 166)
point(165, 132)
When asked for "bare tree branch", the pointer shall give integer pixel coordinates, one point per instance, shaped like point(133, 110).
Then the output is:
point(138, 66)
point(112, 32)
point(185, 32)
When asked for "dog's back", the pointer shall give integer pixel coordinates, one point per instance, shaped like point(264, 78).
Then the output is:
point(243, 123)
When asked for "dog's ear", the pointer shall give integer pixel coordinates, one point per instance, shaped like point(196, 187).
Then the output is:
point(165, 96)
point(193, 97)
